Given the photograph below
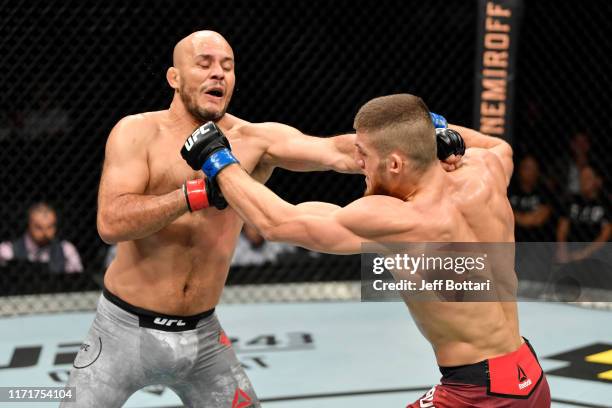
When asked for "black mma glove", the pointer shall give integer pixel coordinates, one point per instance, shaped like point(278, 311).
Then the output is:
point(208, 149)
point(449, 142)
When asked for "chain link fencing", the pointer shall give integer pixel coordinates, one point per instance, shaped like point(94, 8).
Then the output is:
point(72, 69)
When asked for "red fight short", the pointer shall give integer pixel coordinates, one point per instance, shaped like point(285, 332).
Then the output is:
point(514, 380)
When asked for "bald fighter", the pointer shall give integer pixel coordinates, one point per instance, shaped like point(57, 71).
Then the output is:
point(409, 197)
point(155, 323)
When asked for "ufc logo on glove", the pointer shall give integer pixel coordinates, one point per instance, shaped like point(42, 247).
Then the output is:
point(202, 130)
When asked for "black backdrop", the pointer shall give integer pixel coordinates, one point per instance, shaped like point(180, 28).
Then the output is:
point(310, 64)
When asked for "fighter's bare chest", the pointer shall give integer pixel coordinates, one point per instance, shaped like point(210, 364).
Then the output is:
point(168, 170)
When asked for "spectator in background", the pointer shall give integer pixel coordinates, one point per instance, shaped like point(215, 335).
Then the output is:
point(40, 244)
point(585, 218)
point(580, 158)
point(530, 204)
point(253, 249)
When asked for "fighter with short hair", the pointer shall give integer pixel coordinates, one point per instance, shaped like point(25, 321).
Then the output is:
point(410, 198)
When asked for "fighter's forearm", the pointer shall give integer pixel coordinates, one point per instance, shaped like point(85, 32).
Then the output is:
point(473, 138)
point(136, 216)
point(254, 202)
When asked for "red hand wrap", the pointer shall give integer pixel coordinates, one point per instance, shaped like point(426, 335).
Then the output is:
point(195, 194)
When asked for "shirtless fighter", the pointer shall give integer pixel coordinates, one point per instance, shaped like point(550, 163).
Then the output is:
point(409, 197)
point(155, 323)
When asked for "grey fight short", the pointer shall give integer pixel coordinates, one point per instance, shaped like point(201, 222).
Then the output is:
point(128, 348)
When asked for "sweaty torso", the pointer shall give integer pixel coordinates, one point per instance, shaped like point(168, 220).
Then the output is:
point(470, 206)
point(181, 269)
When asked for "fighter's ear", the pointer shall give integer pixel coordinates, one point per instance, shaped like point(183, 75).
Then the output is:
point(395, 163)
point(173, 77)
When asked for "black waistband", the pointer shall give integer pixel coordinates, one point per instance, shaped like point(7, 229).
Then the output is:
point(155, 320)
point(475, 374)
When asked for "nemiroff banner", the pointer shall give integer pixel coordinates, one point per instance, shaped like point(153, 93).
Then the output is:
point(498, 29)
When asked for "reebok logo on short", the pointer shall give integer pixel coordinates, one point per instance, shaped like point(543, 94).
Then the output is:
point(428, 399)
point(241, 399)
point(223, 339)
point(168, 322)
point(521, 373)
point(524, 382)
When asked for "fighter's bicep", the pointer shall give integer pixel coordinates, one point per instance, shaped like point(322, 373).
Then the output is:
point(124, 177)
point(125, 167)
